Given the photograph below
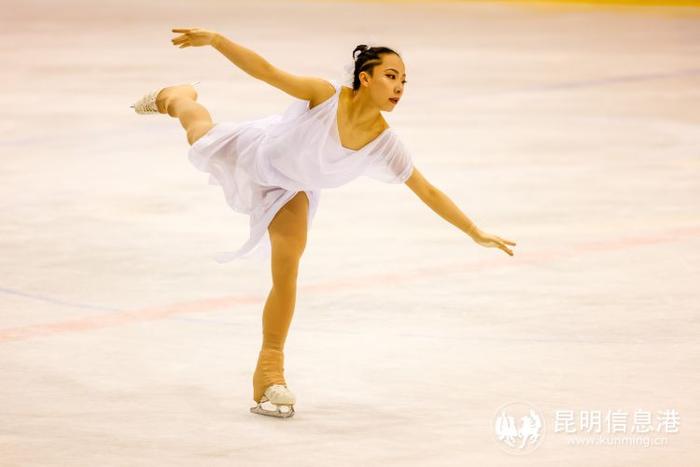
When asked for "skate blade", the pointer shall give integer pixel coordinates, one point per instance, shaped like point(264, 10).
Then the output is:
point(258, 409)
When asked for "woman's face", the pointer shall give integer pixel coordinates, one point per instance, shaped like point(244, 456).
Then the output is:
point(386, 86)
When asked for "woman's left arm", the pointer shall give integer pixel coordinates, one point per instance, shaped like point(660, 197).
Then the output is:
point(443, 205)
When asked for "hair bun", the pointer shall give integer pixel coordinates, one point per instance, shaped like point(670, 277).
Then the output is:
point(362, 48)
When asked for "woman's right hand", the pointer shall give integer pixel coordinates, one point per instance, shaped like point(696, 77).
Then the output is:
point(193, 37)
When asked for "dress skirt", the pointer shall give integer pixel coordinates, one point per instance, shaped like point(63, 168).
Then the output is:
point(228, 152)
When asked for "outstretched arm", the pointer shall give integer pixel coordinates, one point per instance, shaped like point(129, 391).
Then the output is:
point(243, 58)
point(443, 205)
point(301, 87)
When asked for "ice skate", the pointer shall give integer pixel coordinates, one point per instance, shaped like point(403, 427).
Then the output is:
point(281, 397)
point(147, 104)
point(270, 386)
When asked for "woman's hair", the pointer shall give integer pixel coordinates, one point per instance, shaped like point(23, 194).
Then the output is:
point(367, 59)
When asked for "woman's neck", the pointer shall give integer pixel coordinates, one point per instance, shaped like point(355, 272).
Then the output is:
point(361, 111)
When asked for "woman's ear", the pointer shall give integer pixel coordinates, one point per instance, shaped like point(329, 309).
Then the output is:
point(364, 78)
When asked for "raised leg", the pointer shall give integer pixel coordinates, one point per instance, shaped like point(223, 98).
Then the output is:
point(287, 231)
point(181, 102)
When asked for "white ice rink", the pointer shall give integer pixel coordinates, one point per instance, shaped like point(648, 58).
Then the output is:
point(572, 130)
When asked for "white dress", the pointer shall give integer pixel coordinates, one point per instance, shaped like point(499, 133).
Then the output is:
point(261, 164)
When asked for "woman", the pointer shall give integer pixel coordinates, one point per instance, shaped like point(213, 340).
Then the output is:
point(274, 168)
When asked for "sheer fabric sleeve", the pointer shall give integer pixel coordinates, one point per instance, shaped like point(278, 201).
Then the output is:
point(391, 162)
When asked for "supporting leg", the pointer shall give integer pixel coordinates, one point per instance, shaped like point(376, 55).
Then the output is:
point(288, 232)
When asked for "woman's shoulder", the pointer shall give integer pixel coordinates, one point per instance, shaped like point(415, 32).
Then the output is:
point(325, 93)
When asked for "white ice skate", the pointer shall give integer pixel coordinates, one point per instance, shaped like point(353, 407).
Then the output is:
point(147, 104)
point(280, 396)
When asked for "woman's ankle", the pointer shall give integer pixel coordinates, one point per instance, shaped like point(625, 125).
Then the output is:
point(167, 96)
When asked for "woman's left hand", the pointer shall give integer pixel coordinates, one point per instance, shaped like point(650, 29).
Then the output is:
point(490, 240)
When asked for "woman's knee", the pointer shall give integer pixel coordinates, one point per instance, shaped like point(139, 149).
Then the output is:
point(288, 250)
point(285, 264)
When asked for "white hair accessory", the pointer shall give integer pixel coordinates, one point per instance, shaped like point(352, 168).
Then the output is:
point(349, 75)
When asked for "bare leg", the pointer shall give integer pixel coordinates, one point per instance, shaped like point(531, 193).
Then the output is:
point(181, 102)
point(288, 239)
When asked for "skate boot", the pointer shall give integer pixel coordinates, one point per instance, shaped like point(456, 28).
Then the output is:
point(147, 104)
point(281, 397)
point(269, 385)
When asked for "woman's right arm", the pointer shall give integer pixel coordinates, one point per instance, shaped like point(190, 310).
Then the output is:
point(242, 57)
point(302, 87)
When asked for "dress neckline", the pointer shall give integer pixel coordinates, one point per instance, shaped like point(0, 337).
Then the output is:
point(337, 129)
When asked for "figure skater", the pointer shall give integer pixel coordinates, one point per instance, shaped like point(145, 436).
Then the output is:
point(273, 169)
